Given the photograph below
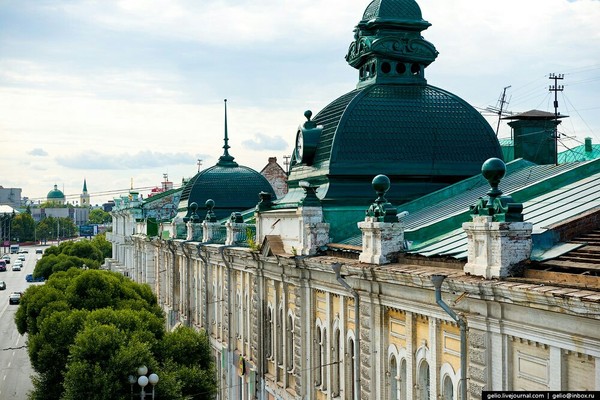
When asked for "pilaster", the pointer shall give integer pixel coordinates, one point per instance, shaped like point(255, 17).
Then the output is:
point(495, 248)
point(381, 241)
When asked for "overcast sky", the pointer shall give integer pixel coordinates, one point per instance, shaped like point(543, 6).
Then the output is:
point(122, 92)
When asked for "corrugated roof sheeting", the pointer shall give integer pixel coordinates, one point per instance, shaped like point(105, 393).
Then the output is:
point(542, 210)
point(460, 202)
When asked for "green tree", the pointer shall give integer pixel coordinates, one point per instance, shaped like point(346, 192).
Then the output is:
point(103, 245)
point(185, 353)
point(23, 227)
point(99, 216)
point(54, 313)
point(89, 330)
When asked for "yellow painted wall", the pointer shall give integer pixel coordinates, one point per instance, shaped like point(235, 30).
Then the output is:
point(421, 327)
point(320, 306)
point(531, 369)
point(449, 340)
point(350, 315)
point(291, 297)
point(581, 371)
point(397, 328)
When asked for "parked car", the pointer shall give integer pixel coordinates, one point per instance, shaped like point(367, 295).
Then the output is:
point(14, 298)
point(16, 267)
point(2, 285)
point(30, 278)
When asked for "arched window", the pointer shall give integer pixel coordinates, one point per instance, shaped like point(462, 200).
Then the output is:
point(393, 378)
point(351, 372)
point(318, 353)
point(423, 392)
point(289, 346)
point(447, 388)
point(239, 315)
point(246, 320)
point(280, 337)
point(403, 384)
point(324, 359)
point(336, 363)
point(268, 334)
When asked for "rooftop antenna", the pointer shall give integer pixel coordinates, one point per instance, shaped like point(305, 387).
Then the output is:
point(286, 163)
point(226, 160)
point(556, 88)
point(500, 110)
point(199, 163)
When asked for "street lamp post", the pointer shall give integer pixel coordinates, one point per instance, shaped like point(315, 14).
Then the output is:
point(143, 381)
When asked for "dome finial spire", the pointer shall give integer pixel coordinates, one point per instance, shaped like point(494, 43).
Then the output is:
point(226, 159)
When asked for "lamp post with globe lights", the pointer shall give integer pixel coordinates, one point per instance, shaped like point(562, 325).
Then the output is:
point(143, 381)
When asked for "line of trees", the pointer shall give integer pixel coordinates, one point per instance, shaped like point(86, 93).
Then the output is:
point(90, 329)
point(23, 226)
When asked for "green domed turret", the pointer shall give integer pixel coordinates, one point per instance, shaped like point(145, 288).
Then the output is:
point(56, 196)
point(232, 187)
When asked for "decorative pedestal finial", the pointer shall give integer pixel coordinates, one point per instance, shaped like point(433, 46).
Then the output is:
point(498, 239)
point(382, 232)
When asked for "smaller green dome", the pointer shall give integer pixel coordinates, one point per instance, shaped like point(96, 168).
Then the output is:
point(55, 194)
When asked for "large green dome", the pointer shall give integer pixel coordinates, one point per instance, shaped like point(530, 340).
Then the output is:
point(233, 187)
point(394, 123)
point(55, 194)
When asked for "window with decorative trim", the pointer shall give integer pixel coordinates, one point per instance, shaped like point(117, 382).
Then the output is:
point(289, 346)
point(336, 362)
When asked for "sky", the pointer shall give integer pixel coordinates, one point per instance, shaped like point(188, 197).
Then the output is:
point(121, 92)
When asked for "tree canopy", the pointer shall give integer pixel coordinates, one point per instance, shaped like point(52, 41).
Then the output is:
point(90, 329)
point(99, 216)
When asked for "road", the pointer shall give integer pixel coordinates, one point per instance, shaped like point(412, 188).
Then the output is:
point(15, 368)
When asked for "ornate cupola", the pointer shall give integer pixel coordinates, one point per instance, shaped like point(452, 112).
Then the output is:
point(230, 187)
point(388, 46)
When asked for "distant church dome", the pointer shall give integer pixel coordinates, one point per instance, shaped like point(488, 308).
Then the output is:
point(233, 187)
point(393, 123)
point(56, 195)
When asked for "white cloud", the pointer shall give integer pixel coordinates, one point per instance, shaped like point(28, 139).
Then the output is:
point(147, 77)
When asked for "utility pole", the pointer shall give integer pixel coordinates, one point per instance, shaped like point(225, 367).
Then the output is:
point(286, 163)
point(502, 102)
point(556, 88)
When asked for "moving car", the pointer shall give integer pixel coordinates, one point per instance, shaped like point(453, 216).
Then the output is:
point(16, 267)
point(14, 298)
point(30, 278)
point(39, 251)
point(2, 285)
point(6, 258)
point(2, 265)
point(21, 257)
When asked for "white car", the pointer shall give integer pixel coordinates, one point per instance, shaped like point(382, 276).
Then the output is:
point(16, 267)
point(21, 257)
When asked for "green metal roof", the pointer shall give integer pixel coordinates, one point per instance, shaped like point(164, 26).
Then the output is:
point(422, 137)
point(579, 153)
point(55, 194)
point(549, 193)
point(233, 187)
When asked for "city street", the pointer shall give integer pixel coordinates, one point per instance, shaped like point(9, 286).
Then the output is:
point(15, 368)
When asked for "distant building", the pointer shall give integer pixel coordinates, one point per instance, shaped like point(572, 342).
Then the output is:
point(56, 196)
point(84, 197)
point(10, 196)
point(276, 177)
